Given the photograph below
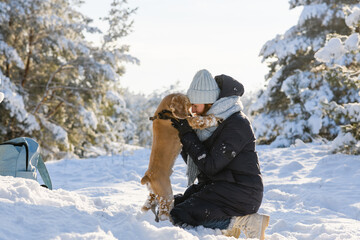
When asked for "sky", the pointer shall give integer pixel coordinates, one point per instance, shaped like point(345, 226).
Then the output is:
point(174, 39)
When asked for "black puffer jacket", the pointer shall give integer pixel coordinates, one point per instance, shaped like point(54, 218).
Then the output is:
point(229, 154)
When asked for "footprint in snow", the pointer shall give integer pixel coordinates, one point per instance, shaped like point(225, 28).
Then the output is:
point(290, 168)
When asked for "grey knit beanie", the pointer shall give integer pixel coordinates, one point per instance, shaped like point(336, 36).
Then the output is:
point(203, 88)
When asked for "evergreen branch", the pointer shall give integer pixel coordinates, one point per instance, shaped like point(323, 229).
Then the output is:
point(46, 93)
point(73, 88)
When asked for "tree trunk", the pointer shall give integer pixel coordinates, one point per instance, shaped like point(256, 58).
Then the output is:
point(7, 71)
point(27, 66)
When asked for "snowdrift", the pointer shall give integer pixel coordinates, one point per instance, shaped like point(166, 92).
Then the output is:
point(309, 194)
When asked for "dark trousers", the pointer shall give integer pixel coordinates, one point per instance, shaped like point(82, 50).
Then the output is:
point(194, 211)
point(213, 204)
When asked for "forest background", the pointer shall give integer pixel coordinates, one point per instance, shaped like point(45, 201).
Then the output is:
point(66, 92)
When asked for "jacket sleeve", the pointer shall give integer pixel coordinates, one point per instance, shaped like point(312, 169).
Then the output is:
point(230, 142)
point(184, 155)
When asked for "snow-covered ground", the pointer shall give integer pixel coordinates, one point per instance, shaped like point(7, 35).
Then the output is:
point(309, 194)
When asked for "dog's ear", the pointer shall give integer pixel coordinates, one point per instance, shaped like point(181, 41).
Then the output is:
point(180, 106)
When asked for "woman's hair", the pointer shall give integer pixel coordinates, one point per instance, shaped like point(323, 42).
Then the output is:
point(206, 109)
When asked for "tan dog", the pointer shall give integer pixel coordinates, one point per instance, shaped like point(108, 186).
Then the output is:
point(166, 147)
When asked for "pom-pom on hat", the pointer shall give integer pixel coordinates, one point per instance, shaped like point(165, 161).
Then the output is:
point(203, 88)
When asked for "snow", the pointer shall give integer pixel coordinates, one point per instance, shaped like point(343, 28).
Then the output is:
point(315, 123)
point(332, 50)
point(1, 94)
point(353, 19)
point(14, 103)
point(317, 11)
point(343, 139)
point(10, 53)
point(352, 43)
point(89, 118)
point(59, 133)
point(309, 194)
point(289, 44)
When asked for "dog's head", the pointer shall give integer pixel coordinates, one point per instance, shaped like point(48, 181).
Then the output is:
point(180, 106)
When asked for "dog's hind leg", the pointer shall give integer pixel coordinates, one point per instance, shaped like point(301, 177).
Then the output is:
point(164, 198)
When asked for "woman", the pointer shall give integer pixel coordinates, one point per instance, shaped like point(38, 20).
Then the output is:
point(224, 161)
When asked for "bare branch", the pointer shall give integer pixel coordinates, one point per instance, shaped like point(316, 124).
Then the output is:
point(46, 93)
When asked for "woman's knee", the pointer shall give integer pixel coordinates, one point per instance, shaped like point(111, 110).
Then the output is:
point(180, 216)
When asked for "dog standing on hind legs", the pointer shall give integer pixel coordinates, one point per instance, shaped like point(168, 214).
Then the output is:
point(165, 148)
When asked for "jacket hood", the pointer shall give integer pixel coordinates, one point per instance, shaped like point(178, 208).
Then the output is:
point(229, 86)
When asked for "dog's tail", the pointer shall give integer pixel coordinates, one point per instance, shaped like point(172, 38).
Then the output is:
point(145, 180)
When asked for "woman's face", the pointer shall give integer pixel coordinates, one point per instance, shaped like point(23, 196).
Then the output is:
point(197, 109)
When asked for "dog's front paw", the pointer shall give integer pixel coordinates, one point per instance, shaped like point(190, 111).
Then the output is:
point(202, 122)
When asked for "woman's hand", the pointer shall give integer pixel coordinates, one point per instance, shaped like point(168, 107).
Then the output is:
point(182, 126)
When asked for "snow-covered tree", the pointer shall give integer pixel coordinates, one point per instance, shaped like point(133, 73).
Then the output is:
point(294, 103)
point(1, 93)
point(341, 58)
point(248, 99)
point(56, 83)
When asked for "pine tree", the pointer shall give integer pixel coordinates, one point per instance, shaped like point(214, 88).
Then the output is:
point(293, 104)
point(341, 65)
point(63, 82)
